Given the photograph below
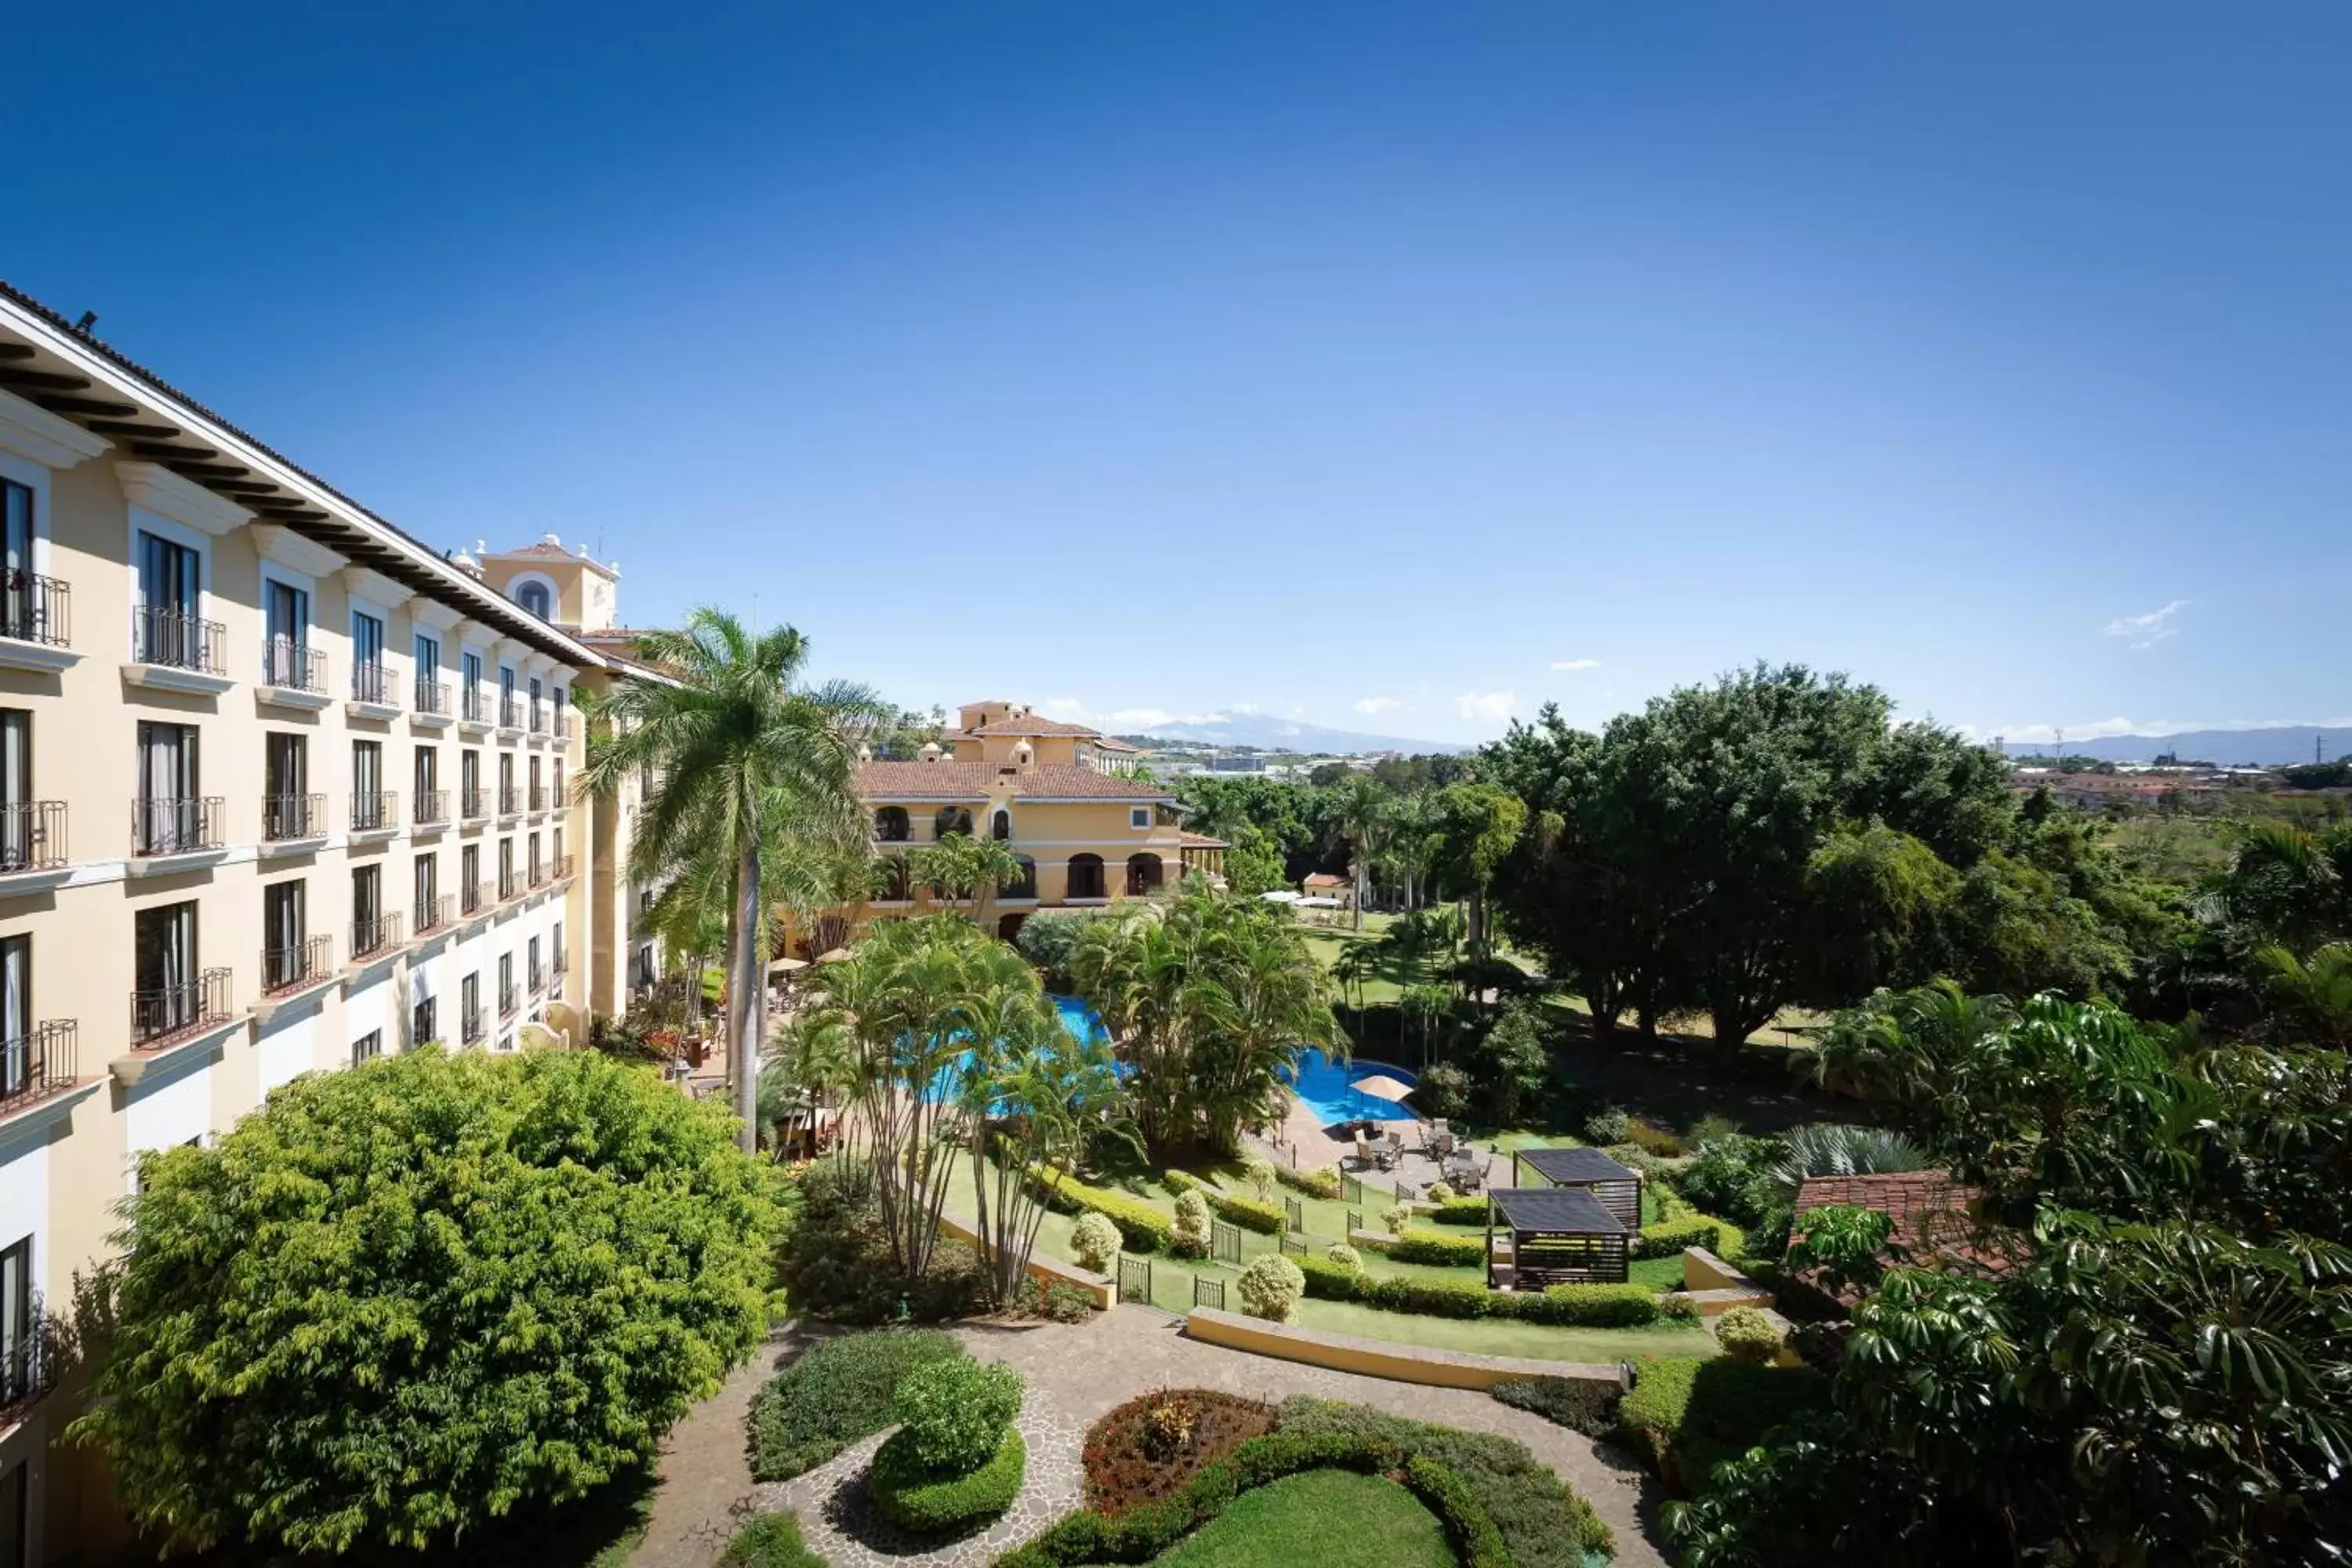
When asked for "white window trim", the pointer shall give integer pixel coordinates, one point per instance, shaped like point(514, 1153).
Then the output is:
point(162, 527)
point(516, 583)
point(34, 477)
point(1134, 813)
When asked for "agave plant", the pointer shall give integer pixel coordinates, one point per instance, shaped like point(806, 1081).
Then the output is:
point(1840, 1149)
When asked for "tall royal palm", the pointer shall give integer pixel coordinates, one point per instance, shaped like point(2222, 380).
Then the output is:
point(741, 755)
point(1360, 815)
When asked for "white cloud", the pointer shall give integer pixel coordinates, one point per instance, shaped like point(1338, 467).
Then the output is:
point(1379, 704)
point(1067, 707)
point(1246, 708)
point(1576, 664)
point(2148, 630)
point(1487, 705)
point(1152, 718)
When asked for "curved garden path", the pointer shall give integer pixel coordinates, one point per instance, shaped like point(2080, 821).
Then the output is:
point(1075, 1373)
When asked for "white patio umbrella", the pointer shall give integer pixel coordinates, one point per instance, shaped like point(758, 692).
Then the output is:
point(1379, 1086)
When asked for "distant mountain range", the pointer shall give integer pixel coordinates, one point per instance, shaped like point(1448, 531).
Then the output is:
point(1267, 732)
point(2275, 747)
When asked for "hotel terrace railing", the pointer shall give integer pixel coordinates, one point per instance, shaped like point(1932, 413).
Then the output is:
point(477, 706)
point(178, 641)
point(560, 868)
point(175, 826)
point(540, 797)
point(538, 720)
point(168, 1012)
point(508, 884)
point(306, 963)
point(379, 934)
point(538, 980)
point(538, 872)
point(509, 1000)
point(431, 697)
point(561, 965)
point(292, 665)
point(432, 914)
point(40, 1064)
point(469, 899)
point(475, 803)
point(472, 1026)
point(286, 816)
point(32, 836)
point(510, 713)
point(43, 1351)
point(509, 800)
point(563, 723)
point(373, 683)
point(39, 609)
point(373, 810)
point(432, 806)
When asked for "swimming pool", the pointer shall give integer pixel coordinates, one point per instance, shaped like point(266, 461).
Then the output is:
point(1327, 1088)
point(1079, 1022)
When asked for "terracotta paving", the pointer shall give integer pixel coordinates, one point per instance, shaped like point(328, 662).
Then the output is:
point(1075, 1373)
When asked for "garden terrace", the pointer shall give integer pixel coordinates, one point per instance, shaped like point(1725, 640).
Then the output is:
point(1618, 1189)
point(1558, 1235)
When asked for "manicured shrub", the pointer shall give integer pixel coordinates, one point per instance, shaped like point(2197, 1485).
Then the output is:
point(1259, 1172)
point(1668, 1237)
point(1439, 1193)
point(1396, 1219)
point(1267, 1219)
point(1433, 1298)
point(1684, 1417)
point(921, 1500)
point(1543, 1523)
point(1326, 1280)
point(955, 1412)
point(770, 1541)
point(1141, 1227)
point(1626, 1306)
point(832, 1393)
point(1461, 1211)
point(503, 1277)
point(1476, 1542)
point(1345, 1255)
point(1191, 1232)
point(1318, 1184)
point(1094, 1242)
point(1067, 1304)
point(1746, 1335)
point(1183, 1182)
point(1581, 1405)
point(1437, 1247)
point(1270, 1287)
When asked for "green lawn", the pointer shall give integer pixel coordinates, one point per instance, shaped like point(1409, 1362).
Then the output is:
point(1322, 1516)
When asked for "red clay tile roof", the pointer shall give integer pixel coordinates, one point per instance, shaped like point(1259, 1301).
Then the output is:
point(1934, 1225)
point(1031, 725)
point(1900, 1196)
point(1113, 743)
point(1201, 841)
point(1067, 781)
point(1325, 879)
point(956, 780)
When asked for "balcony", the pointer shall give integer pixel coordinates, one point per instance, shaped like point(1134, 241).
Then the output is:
point(174, 652)
point(563, 723)
point(293, 674)
point(307, 963)
point(32, 836)
point(36, 621)
point(375, 937)
point(44, 1351)
point(34, 1067)
point(508, 1000)
point(161, 827)
point(435, 914)
point(375, 811)
point(507, 886)
point(474, 802)
point(289, 819)
point(561, 867)
point(171, 1012)
point(509, 714)
point(469, 899)
point(538, 874)
point(541, 797)
point(428, 703)
point(432, 809)
point(374, 693)
point(538, 720)
point(538, 980)
point(510, 801)
point(475, 707)
point(472, 1026)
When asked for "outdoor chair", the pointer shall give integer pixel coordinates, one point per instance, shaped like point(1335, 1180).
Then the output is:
point(1363, 1151)
point(1385, 1153)
point(1440, 1146)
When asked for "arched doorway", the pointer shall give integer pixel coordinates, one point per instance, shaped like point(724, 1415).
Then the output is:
point(1085, 876)
point(952, 819)
point(1027, 886)
point(1000, 825)
point(890, 825)
point(1008, 927)
point(1142, 873)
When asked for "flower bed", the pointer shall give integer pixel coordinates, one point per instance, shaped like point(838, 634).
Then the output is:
point(1150, 1447)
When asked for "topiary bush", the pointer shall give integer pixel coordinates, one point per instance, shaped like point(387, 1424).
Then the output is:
point(1318, 1184)
point(513, 1273)
point(924, 1501)
point(832, 1393)
point(1668, 1237)
point(1345, 1255)
point(1396, 1219)
point(1461, 1211)
point(955, 1412)
point(1746, 1335)
point(1435, 1247)
point(1192, 1233)
point(1141, 1227)
point(1439, 1193)
point(1626, 1306)
point(1267, 1219)
point(1094, 1242)
point(1067, 1304)
point(1270, 1287)
point(1259, 1172)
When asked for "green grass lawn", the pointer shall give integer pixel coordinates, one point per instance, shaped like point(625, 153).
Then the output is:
point(1322, 1516)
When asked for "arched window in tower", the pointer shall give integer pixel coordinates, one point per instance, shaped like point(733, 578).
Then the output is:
point(534, 597)
point(1000, 826)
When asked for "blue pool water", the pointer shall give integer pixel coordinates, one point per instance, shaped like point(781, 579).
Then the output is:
point(1327, 1088)
point(1078, 1021)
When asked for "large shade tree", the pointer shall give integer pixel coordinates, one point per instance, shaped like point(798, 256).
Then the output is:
point(744, 754)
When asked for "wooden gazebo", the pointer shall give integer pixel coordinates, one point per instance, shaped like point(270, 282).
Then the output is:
point(1618, 1188)
point(1558, 1235)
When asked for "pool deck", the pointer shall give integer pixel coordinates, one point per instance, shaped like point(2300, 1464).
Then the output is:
point(1302, 1128)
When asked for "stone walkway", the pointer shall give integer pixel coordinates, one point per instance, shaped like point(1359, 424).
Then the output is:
point(1075, 1373)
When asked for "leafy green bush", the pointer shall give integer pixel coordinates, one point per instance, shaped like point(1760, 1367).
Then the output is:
point(1094, 1242)
point(1319, 1184)
point(836, 1261)
point(1270, 1287)
point(1047, 939)
point(1746, 1335)
point(770, 1541)
point(1581, 1405)
point(1668, 1237)
point(1259, 1172)
point(1653, 1140)
point(512, 1272)
point(1192, 1233)
point(1267, 1219)
point(921, 1500)
point(832, 1393)
point(1437, 1247)
point(1444, 1091)
point(1476, 1542)
point(1345, 1255)
point(1067, 1304)
point(955, 1412)
point(1397, 1219)
point(1141, 1227)
point(1626, 1306)
point(1461, 1211)
point(1180, 1182)
point(1542, 1521)
point(1595, 1306)
point(1685, 1416)
point(1606, 1127)
point(1439, 1193)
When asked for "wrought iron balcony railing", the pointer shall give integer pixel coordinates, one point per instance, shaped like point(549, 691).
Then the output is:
point(175, 826)
point(34, 608)
point(375, 810)
point(38, 1064)
point(162, 1014)
point(379, 935)
point(32, 836)
point(293, 666)
point(178, 642)
point(285, 816)
point(373, 683)
point(290, 968)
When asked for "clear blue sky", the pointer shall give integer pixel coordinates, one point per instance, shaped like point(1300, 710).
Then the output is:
point(1362, 360)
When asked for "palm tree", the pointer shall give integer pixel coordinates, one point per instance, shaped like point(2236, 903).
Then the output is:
point(2315, 993)
point(962, 867)
point(744, 758)
point(1360, 815)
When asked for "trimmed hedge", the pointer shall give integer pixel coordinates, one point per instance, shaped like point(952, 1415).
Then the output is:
point(1142, 1534)
point(1580, 1406)
point(921, 1501)
point(1267, 1219)
point(1460, 1211)
point(1437, 1247)
point(1684, 1417)
point(1183, 1182)
point(1669, 1237)
point(770, 1541)
point(832, 1393)
point(1141, 1227)
point(1314, 1183)
point(1622, 1306)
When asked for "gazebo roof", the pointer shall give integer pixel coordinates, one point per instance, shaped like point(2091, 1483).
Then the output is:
point(1576, 1167)
point(1556, 1210)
